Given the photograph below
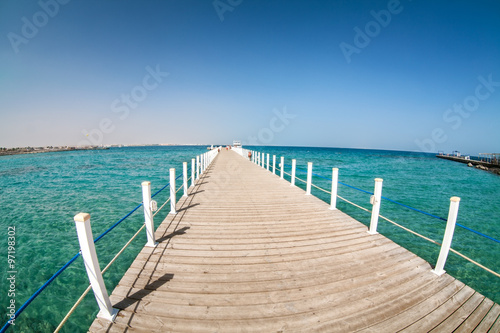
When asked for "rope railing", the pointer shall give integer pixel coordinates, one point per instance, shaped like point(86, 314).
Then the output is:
point(80, 299)
point(42, 288)
point(207, 160)
point(302, 180)
point(411, 208)
point(352, 203)
point(159, 209)
point(294, 169)
point(53, 277)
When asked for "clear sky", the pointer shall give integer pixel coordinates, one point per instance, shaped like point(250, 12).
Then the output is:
point(404, 75)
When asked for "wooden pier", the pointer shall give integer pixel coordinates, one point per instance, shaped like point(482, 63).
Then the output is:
point(247, 252)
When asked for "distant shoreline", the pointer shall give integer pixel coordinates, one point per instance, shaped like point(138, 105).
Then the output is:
point(36, 150)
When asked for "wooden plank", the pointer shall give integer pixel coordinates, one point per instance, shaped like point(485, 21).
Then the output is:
point(475, 318)
point(489, 320)
point(438, 315)
point(451, 323)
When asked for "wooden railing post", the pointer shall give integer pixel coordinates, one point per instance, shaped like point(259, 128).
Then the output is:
point(192, 171)
point(185, 178)
point(309, 178)
point(148, 214)
point(274, 164)
point(197, 167)
point(335, 182)
point(87, 247)
point(172, 191)
point(375, 201)
point(267, 162)
point(282, 167)
point(292, 180)
point(448, 236)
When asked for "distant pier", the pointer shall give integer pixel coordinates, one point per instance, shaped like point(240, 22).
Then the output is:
point(490, 163)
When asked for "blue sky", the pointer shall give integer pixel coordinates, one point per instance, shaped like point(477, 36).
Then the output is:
point(404, 75)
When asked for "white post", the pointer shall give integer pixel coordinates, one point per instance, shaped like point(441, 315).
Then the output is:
point(309, 178)
point(87, 247)
point(197, 167)
point(263, 160)
point(202, 164)
point(294, 164)
point(448, 236)
point(274, 164)
point(335, 182)
point(148, 214)
point(282, 166)
point(375, 201)
point(172, 191)
point(192, 171)
point(185, 178)
point(267, 162)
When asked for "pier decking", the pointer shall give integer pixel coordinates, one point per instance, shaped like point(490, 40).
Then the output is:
point(246, 252)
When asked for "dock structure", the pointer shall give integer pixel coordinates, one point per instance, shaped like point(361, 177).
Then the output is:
point(247, 252)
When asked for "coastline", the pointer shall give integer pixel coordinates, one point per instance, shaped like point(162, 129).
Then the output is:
point(36, 150)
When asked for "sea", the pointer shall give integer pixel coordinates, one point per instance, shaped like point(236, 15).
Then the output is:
point(41, 193)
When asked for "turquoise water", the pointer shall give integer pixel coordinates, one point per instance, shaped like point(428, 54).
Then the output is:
point(40, 194)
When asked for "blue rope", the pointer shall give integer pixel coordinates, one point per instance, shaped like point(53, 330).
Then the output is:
point(114, 225)
point(479, 233)
point(415, 209)
point(21, 309)
point(159, 191)
point(371, 193)
point(443, 219)
point(164, 187)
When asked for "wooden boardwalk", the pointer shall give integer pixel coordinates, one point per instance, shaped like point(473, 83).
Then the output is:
point(247, 252)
